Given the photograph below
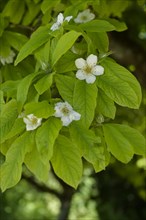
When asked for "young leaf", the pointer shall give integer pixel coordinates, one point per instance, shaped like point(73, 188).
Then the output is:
point(97, 26)
point(66, 161)
point(7, 118)
point(84, 101)
point(64, 44)
point(39, 109)
point(38, 38)
point(123, 141)
point(105, 105)
point(36, 166)
point(46, 136)
point(65, 85)
point(11, 169)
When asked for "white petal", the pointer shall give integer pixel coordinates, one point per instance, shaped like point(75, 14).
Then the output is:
point(68, 18)
point(80, 63)
point(26, 120)
point(30, 127)
point(91, 16)
point(91, 60)
point(55, 27)
point(39, 121)
point(66, 120)
point(76, 116)
point(81, 75)
point(97, 70)
point(60, 18)
point(90, 79)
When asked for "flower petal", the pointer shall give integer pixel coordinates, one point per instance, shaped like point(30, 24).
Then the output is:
point(76, 116)
point(97, 70)
point(81, 74)
point(66, 120)
point(80, 63)
point(91, 60)
point(60, 18)
point(90, 79)
point(68, 18)
point(55, 26)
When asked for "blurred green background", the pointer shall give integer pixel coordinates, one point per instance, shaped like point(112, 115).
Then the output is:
point(119, 192)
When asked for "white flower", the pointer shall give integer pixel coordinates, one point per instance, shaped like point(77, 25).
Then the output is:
point(32, 122)
point(8, 59)
point(84, 16)
point(88, 70)
point(59, 22)
point(65, 111)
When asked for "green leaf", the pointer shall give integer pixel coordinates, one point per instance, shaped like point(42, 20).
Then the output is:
point(18, 128)
point(120, 26)
point(36, 166)
point(30, 14)
point(120, 85)
point(11, 169)
point(10, 88)
point(84, 101)
point(83, 137)
point(100, 41)
point(2, 102)
point(46, 5)
point(65, 85)
point(22, 90)
point(40, 109)
point(123, 141)
point(66, 63)
point(38, 38)
point(46, 136)
point(133, 136)
point(97, 26)
point(42, 54)
point(7, 118)
point(4, 23)
point(44, 83)
point(16, 40)
point(14, 10)
point(105, 105)
point(66, 161)
point(64, 44)
point(97, 156)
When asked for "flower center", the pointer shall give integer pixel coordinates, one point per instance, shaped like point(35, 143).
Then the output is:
point(88, 69)
point(34, 121)
point(84, 17)
point(65, 111)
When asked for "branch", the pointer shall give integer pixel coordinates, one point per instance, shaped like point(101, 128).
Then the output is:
point(41, 187)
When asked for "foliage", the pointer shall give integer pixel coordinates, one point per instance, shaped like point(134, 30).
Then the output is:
point(44, 73)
